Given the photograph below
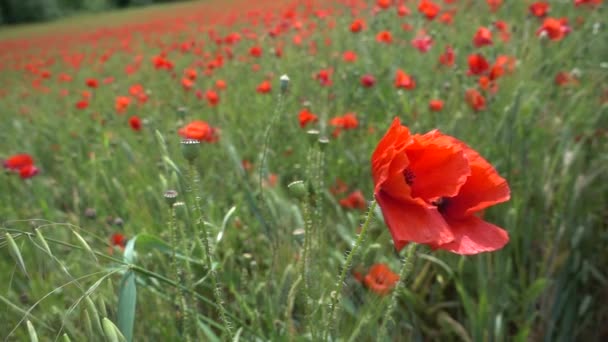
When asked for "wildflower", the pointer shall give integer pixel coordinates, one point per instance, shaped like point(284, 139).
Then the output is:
point(477, 64)
point(494, 4)
point(118, 240)
point(435, 105)
point(431, 188)
point(264, 88)
point(346, 122)
point(354, 200)
point(447, 58)
point(135, 123)
point(384, 37)
point(92, 83)
point(82, 104)
point(349, 56)
point(357, 25)
point(255, 51)
point(539, 9)
point(429, 9)
point(122, 103)
point(18, 161)
point(306, 117)
point(475, 99)
point(423, 42)
point(199, 130)
point(212, 97)
point(403, 80)
point(368, 80)
point(482, 37)
point(28, 171)
point(324, 77)
point(339, 187)
point(555, 29)
point(380, 279)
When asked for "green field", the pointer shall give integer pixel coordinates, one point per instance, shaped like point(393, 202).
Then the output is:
point(92, 247)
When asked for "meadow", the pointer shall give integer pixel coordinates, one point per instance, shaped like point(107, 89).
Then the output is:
point(241, 170)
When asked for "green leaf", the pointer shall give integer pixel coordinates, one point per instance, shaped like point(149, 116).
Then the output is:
point(127, 299)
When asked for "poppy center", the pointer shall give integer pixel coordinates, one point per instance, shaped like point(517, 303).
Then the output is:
point(409, 176)
point(441, 204)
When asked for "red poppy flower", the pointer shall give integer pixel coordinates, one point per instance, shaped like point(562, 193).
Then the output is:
point(187, 83)
point(403, 80)
point(494, 4)
point(431, 187)
point(324, 77)
point(199, 130)
point(212, 97)
point(338, 188)
point(384, 4)
point(555, 29)
point(347, 121)
point(255, 51)
point(18, 161)
point(435, 105)
point(503, 28)
point(354, 200)
point(190, 74)
point(448, 57)
point(368, 80)
point(477, 64)
point(122, 103)
point(220, 84)
point(539, 9)
point(429, 9)
point(28, 171)
point(357, 25)
point(587, 2)
point(380, 279)
point(422, 42)
point(264, 88)
point(349, 56)
point(402, 10)
point(482, 37)
point(306, 117)
point(384, 37)
point(118, 240)
point(135, 123)
point(92, 83)
point(82, 104)
point(565, 78)
point(475, 99)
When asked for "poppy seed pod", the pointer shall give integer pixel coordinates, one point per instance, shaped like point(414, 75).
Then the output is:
point(170, 197)
point(298, 189)
point(190, 149)
point(313, 135)
point(284, 83)
point(323, 142)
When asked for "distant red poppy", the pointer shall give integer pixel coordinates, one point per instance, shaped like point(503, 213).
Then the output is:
point(435, 105)
point(448, 57)
point(357, 26)
point(187, 83)
point(402, 10)
point(384, 37)
point(368, 80)
point(555, 29)
point(199, 130)
point(122, 103)
point(339, 187)
point(380, 279)
point(264, 88)
point(475, 99)
point(220, 85)
point(588, 2)
point(494, 4)
point(355, 200)
point(423, 42)
point(539, 9)
point(384, 4)
point(429, 9)
point(477, 64)
point(482, 37)
point(135, 123)
point(28, 171)
point(324, 77)
point(212, 97)
point(431, 188)
point(92, 83)
point(82, 104)
point(403, 80)
point(118, 240)
point(349, 56)
point(305, 117)
point(18, 161)
point(255, 51)
point(346, 121)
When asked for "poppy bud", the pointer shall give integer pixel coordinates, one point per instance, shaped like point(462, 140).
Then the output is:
point(170, 197)
point(284, 83)
point(298, 189)
point(190, 149)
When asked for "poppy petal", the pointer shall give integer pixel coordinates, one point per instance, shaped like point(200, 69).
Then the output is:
point(473, 235)
point(410, 222)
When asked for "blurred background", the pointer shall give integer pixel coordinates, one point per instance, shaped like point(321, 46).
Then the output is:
point(24, 11)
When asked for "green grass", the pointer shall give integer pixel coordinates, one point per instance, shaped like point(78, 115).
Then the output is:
point(549, 142)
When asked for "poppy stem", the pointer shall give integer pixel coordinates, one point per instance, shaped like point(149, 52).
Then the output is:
point(336, 294)
point(406, 268)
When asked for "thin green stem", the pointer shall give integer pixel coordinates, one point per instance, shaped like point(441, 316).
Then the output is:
point(336, 294)
point(406, 268)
